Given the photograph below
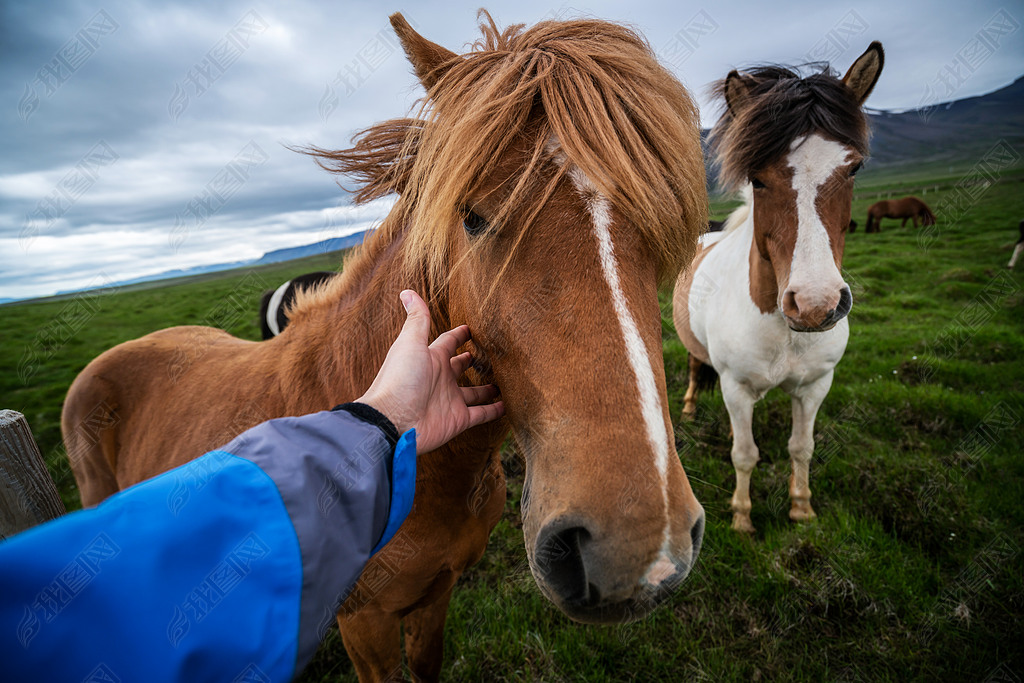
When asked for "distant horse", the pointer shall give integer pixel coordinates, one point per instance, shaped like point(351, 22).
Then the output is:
point(553, 179)
point(908, 208)
point(764, 302)
point(274, 303)
point(1018, 248)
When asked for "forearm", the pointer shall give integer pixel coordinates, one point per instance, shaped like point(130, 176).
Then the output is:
point(229, 562)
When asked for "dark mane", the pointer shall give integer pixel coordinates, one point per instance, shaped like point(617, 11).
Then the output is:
point(780, 107)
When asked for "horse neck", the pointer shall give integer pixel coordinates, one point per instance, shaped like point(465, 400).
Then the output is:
point(338, 345)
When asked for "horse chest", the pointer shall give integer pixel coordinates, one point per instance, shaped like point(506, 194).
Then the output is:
point(762, 351)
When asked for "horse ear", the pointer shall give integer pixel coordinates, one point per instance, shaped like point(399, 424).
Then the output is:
point(737, 89)
point(429, 60)
point(864, 73)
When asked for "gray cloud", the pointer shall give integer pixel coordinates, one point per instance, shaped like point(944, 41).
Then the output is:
point(175, 92)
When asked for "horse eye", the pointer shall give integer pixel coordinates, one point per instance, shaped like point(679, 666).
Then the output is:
point(473, 222)
point(856, 168)
point(758, 185)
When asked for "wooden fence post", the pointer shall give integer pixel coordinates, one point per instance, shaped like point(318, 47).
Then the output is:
point(28, 495)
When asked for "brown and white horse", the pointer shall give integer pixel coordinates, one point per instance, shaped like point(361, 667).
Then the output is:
point(1017, 248)
point(553, 178)
point(764, 302)
point(275, 303)
point(907, 208)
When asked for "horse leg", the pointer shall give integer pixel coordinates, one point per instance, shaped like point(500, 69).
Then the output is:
point(690, 399)
point(372, 639)
point(424, 639)
point(806, 401)
point(904, 223)
point(744, 451)
point(1016, 254)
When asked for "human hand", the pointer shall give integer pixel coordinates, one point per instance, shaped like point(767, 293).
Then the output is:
point(417, 386)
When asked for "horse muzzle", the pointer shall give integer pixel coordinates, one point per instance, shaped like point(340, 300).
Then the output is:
point(831, 318)
point(584, 577)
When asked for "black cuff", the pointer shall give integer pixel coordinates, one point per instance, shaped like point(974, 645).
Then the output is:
point(371, 415)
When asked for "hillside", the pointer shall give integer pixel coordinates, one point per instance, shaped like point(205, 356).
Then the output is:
point(951, 132)
point(320, 248)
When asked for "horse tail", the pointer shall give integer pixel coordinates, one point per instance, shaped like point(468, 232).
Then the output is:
point(927, 217)
point(707, 377)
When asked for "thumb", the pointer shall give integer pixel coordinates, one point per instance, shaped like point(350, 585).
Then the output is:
point(417, 324)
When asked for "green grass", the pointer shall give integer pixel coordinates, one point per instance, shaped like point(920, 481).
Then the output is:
point(47, 343)
point(913, 569)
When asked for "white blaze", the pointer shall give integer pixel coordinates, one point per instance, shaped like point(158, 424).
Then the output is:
point(636, 350)
point(813, 160)
point(639, 360)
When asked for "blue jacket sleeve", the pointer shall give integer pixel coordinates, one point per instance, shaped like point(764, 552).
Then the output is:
point(229, 567)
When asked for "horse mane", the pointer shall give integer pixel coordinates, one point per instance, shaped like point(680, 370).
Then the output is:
point(740, 214)
point(780, 107)
point(594, 87)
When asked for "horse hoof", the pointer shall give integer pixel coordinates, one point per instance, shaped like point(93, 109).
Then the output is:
point(802, 512)
point(689, 414)
point(742, 523)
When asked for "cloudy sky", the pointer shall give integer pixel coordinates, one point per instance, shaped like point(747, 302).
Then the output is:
point(136, 137)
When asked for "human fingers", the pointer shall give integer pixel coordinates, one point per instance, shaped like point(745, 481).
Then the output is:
point(485, 413)
point(461, 362)
point(472, 396)
point(417, 321)
point(451, 340)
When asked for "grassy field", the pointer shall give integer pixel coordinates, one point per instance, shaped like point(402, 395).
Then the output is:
point(913, 569)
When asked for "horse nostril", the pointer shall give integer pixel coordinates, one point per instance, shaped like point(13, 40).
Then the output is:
point(559, 561)
point(696, 538)
point(789, 305)
point(845, 303)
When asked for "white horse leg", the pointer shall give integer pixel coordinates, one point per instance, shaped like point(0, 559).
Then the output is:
point(1016, 254)
point(806, 401)
point(740, 404)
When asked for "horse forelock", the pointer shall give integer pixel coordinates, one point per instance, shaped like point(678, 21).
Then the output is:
point(780, 107)
point(593, 86)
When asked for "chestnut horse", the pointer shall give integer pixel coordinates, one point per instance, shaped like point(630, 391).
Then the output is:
point(908, 208)
point(552, 178)
point(764, 303)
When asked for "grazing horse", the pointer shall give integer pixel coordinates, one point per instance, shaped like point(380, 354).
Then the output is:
point(764, 302)
point(551, 180)
point(275, 303)
point(1018, 248)
point(908, 208)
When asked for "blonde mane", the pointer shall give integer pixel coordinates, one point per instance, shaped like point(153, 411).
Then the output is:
point(595, 87)
point(740, 214)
